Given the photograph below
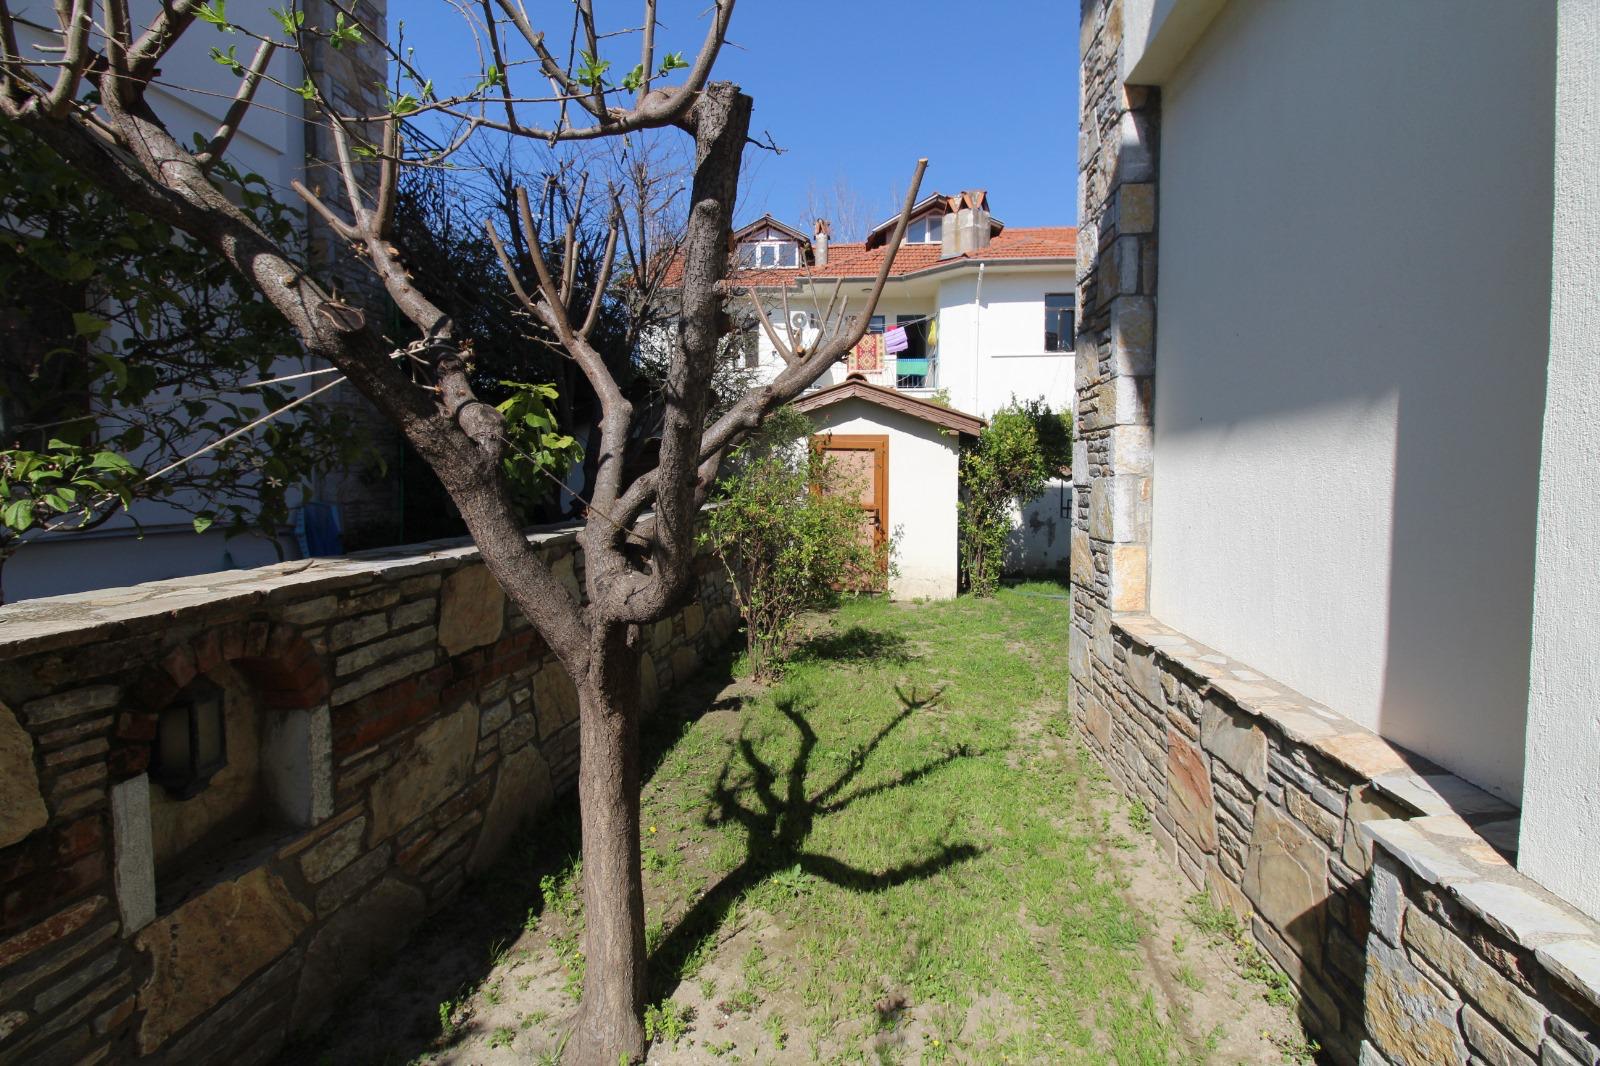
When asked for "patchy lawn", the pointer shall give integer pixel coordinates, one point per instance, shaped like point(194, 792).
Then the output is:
point(897, 854)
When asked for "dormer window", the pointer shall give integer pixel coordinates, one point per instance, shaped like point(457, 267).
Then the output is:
point(769, 254)
point(929, 229)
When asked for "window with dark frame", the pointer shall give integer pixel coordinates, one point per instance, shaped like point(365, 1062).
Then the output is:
point(1058, 321)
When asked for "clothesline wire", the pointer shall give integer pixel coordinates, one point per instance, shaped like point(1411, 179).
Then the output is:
point(186, 398)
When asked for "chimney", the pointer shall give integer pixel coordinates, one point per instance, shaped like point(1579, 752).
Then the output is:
point(971, 221)
point(819, 242)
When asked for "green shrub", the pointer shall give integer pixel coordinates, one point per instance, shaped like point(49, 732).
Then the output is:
point(1022, 447)
point(789, 545)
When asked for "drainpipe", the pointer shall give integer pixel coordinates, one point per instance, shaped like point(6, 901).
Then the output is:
point(977, 337)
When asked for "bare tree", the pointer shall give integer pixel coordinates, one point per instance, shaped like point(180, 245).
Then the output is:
point(636, 571)
point(843, 206)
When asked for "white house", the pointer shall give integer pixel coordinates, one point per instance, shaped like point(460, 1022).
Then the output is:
point(276, 143)
point(988, 311)
point(904, 454)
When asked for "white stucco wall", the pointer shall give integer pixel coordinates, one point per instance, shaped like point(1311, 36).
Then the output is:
point(1561, 804)
point(922, 494)
point(1354, 261)
point(993, 349)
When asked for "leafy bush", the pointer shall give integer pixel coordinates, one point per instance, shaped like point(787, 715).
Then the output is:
point(788, 544)
point(1022, 447)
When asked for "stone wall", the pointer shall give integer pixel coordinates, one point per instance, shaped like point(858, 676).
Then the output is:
point(1469, 961)
point(407, 720)
point(1382, 886)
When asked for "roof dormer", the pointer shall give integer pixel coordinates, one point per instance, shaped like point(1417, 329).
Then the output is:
point(767, 244)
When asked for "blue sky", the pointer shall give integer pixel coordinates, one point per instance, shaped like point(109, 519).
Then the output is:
point(856, 91)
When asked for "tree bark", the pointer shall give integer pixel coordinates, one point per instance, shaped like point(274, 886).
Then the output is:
point(609, 1027)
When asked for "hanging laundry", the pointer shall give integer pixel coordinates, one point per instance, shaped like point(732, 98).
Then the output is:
point(867, 356)
point(933, 335)
point(895, 340)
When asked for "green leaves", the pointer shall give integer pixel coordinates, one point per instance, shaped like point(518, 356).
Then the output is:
point(592, 72)
point(291, 21)
point(539, 454)
point(87, 325)
point(492, 79)
point(1022, 447)
point(138, 343)
point(228, 59)
point(788, 540)
point(344, 32)
point(670, 62)
point(216, 13)
point(62, 486)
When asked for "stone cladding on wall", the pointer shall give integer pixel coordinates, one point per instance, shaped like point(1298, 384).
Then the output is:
point(409, 720)
point(1382, 886)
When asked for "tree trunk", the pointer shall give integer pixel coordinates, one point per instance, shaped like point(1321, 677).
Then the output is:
point(610, 1028)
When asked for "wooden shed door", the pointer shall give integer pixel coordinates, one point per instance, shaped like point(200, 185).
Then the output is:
point(861, 471)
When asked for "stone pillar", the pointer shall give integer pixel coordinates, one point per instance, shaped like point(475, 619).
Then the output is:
point(1117, 157)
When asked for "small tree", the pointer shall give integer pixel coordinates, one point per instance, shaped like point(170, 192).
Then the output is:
point(788, 543)
point(1024, 444)
point(91, 104)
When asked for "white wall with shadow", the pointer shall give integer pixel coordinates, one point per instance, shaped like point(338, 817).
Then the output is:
point(1355, 208)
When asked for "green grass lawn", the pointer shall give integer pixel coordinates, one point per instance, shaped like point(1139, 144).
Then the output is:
point(903, 804)
point(897, 853)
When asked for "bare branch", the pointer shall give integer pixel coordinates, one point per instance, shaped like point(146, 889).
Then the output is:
point(241, 104)
point(569, 243)
point(647, 51)
point(347, 170)
point(335, 223)
point(388, 177)
point(75, 21)
point(759, 402)
point(784, 350)
point(10, 60)
point(547, 285)
point(607, 258)
point(162, 33)
point(506, 265)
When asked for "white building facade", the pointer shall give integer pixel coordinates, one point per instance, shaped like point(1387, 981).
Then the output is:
point(988, 312)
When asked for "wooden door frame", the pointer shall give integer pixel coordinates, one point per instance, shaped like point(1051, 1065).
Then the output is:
point(878, 444)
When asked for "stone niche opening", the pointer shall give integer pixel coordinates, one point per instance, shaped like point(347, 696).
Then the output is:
point(264, 792)
point(177, 836)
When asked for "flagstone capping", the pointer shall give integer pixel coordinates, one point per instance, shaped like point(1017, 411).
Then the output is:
point(1448, 854)
point(55, 622)
point(1302, 720)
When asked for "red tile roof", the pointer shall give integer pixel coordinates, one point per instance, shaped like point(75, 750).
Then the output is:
point(854, 260)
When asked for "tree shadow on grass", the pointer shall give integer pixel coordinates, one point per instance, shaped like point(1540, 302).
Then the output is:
point(857, 643)
point(780, 822)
